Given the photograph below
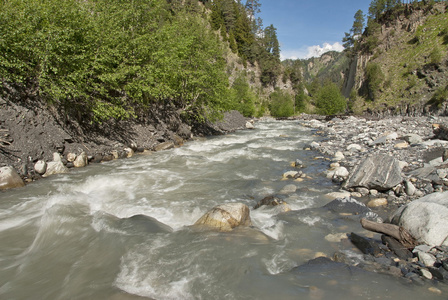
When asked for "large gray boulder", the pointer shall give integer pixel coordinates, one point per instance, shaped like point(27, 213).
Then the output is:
point(10, 179)
point(379, 172)
point(227, 216)
point(426, 219)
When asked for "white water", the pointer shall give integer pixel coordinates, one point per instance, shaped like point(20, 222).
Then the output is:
point(68, 237)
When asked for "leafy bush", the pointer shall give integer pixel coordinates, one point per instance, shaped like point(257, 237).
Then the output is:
point(242, 97)
point(375, 78)
point(440, 96)
point(105, 58)
point(281, 105)
point(329, 100)
point(436, 56)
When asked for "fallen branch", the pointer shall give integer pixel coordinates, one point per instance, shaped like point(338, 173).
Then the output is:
point(397, 232)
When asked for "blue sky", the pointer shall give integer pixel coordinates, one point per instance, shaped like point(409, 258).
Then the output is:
point(308, 28)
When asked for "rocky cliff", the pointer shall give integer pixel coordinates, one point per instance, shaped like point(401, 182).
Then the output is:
point(400, 66)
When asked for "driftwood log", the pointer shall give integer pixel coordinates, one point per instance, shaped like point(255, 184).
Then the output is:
point(397, 232)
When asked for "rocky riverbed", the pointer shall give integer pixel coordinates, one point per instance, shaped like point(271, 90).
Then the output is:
point(397, 168)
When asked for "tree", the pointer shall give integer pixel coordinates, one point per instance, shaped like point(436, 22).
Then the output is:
point(282, 104)
point(351, 37)
point(329, 100)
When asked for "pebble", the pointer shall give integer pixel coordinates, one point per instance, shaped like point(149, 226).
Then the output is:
point(377, 202)
point(435, 290)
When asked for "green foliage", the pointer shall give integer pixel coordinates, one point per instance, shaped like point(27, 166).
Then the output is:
point(351, 38)
point(436, 56)
point(242, 96)
point(440, 96)
point(329, 100)
point(375, 78)
point(281, 105)
point(110, 58)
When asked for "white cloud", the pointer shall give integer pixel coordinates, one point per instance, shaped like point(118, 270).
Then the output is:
point(312, 51)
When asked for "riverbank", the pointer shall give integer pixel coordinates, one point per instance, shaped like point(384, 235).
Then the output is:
point(398, 168)
point(32, 132)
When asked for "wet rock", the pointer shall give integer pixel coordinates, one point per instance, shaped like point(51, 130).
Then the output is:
point(365, 245)
point(401, 251)
point(40, 167)
point(143, 223)
point(380, 172)
point(9, 178)
point(298, 163)
point(249, 125)
point(129, 151)
point(290, 174)
point(377, 202)
point(225, 217)
point(425, 219)
point(349, 206)
point(337, 195)
point(288, 189)
point(164, 146)
point(273, 202)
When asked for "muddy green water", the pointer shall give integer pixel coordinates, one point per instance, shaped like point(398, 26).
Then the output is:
point(71, 236)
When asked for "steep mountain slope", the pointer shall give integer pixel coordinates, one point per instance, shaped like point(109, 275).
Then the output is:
point(401, 65)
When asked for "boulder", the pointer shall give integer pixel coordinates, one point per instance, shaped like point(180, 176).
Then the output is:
point(249, 125)
point(288, 189)
point(164, 146)
point(425, 219)
point(351, 207)
point(55, 167)
point(40, 167)
point(226, 217)
point(380, 172)
point(9, 178)
point(81, 160)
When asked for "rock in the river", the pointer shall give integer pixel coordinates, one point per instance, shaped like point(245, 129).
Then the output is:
point(249, 125)
point(288, 189)
point(9, 178)
point(380, 172)
point(81, 160)
point(350, 206)
point(164, 146)
point(426, 219)
point(273, 201)
point(377, 202)
point(227, 216)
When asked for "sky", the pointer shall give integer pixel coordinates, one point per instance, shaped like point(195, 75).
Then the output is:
point(307, 28)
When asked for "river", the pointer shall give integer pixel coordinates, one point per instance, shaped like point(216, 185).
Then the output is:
point(71, 236)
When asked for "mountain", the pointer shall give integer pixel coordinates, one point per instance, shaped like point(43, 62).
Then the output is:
point(401, 62)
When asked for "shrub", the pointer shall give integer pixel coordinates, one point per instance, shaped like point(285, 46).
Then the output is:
point(375, 78)
point(330, 101)
point(436, 56)
point(281, 105)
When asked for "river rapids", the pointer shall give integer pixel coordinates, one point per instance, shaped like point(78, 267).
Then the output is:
point(122, 230)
